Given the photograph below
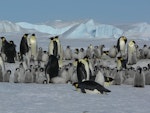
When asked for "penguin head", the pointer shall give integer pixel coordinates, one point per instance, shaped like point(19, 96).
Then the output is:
point(9, 71)
point(139, 69)
point(132, 43)
point(25, 35)
point(123, 38)
point(81, 50)
point(41, 69)
point(33, 34)
point(68, 47)
point(76, 85)
point(3, 39)
point(145, 68)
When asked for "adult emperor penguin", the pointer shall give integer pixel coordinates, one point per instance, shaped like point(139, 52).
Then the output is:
point(2, 64)
point(24, 47)
point(83, 72)
point(90, 87)
point(11, 52)
point(7, 76)
point(52, 68)
point(33, 45)
point(139, 79)
point(121, 44)
point(131, 55)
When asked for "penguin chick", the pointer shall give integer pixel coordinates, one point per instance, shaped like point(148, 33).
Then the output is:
point(28, 76)
point(16, 75)
point(139, 79)
point(7, 76)
point(68, 53)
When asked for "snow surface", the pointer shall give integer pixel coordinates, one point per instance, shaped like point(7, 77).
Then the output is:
point(62, 98)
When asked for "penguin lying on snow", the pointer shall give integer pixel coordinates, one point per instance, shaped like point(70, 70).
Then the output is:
point(90, 87)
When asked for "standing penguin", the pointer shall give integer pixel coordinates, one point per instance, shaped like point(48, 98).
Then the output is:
point(81, 53)
point(11, 52)
point(83, 72)
point(139, 79)
point(7, 76)
point(33, 45)
point(24, 47)
point(2, 64)
point(28, 76)
point(99, 78)
point(121, 44)
point(1, 74)
point(113, 51)
point(68, 53)
point(39, 54)
point(145, 51)
point(52, 68)
point(16, 75)
point(132, 57)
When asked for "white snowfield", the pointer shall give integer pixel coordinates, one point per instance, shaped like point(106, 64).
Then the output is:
point(62, 98)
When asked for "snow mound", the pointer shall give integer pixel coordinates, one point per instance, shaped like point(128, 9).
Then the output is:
point(7, 26)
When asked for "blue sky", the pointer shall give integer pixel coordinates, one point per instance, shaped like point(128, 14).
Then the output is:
point(103, 11)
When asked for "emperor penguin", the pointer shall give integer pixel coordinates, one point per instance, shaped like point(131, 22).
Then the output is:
point(99, 78)
point(139, 79)
point(28, 76)
point(121, 44)
point(33, 45)
point(45, 56)
point(118, 78)
point(145, 51)
point(51, 46)
point(121, 63)
point(2, 64)
point(148, 55)
point(52, 68)
point(90, 87)
point(11, 52)
point(7, 76)
point(113, 52)
point(5, 46)
point(41, 79)
point(68, 53)
point(147, 75)
point(75, 53)
point(16, 75)
point(24, 47)
point(131, 53)
point(1, 74)
point(21, 74)
point(83, 72)
point(89, 51)
point(39, 54)
point(81, 53)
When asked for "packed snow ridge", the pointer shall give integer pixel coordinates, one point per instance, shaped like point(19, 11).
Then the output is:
point(80, 29)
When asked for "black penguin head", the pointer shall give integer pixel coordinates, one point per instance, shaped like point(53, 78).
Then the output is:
point(145, 68)
point(51, 38)
point(68, 47)
point(42, 69)
point(33, 34)
point(25, 35)
point(9, 71)
point(76, 85)
point(139, 69)
point(3, 39)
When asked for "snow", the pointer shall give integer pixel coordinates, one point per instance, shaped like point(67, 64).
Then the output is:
point(62, 98)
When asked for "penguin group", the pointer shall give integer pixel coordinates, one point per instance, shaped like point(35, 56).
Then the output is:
point(88, 69)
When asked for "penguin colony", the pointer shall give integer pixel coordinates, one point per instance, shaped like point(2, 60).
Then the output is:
point(84, 68)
